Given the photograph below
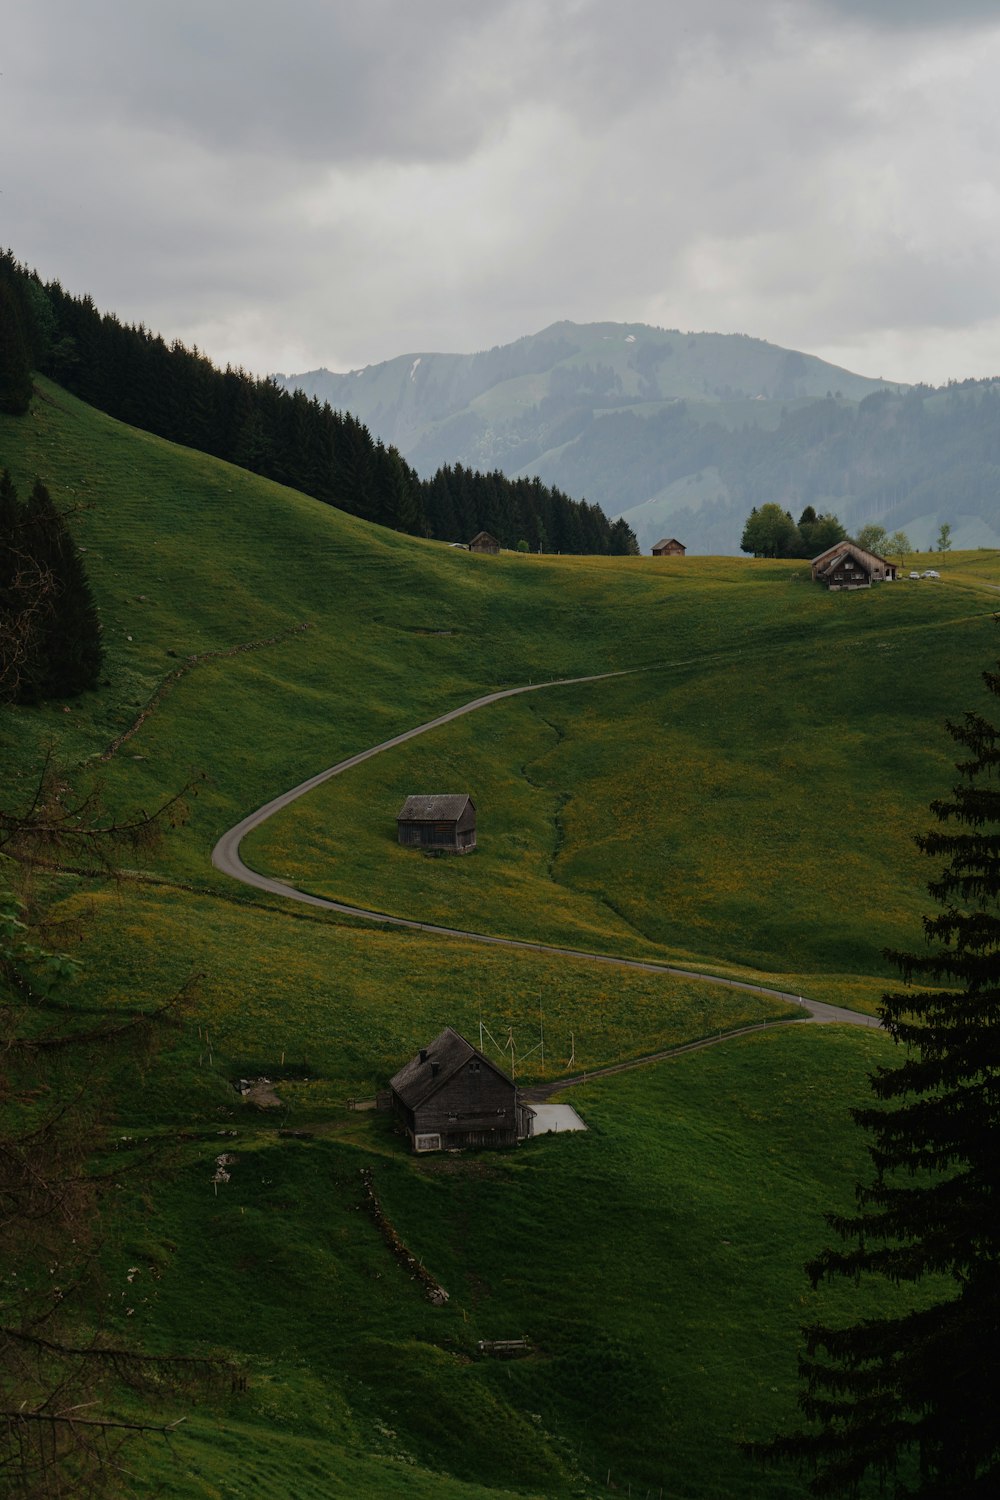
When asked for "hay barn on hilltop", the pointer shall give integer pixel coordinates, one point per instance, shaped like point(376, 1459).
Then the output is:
point(438, 822)
point(484, 542)
point(669, 546)
point(450, 1095)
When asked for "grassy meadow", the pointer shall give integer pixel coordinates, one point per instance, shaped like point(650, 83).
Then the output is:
point(712, 812)
point(653, 1263)
point(744, 800)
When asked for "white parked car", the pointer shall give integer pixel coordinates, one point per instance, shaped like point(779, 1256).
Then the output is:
point(914, 575)
point(932, 573)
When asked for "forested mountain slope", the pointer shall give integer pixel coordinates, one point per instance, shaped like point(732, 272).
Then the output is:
point(511, 404)
point(683, 433)
point(132, 373)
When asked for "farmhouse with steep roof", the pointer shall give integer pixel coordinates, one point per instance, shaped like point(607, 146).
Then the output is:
point(451, 1095)
point(845, 565)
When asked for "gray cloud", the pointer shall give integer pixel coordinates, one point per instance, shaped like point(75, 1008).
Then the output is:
point(909, 15)
point(317, 80)
point(338, 184)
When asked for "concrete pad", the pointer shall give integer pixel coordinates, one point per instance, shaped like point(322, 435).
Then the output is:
point(552, 1119)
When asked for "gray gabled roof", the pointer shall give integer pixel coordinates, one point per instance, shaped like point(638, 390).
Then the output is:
point(426, 808)
point(439, 1061)
point(847, 546)
point(665, 541)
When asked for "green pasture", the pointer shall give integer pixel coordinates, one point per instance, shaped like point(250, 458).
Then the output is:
point(743, 800)
point(633, 814)
point(750, 810)
point(332, 1009)
point(654, 1263)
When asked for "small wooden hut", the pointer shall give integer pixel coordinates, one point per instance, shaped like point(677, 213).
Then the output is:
point(845, 565)
point(438, 822)
point(669, 546)
point(484, 542)
point(451, 1095)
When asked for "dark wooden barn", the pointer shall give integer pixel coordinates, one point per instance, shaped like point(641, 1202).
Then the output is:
point(438, 822)
point(484, 542)
point(451, 1095)
point(845, 565)
point(669, 546)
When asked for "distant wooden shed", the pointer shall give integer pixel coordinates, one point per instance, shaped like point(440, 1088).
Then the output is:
point(438, 822)
point(484, 542)
point(451, 1095)
point(845, 565)
point(669, 546)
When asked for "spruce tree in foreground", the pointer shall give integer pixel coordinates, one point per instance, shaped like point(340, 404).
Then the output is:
point(50, 630)
point(70, 653)
point(911, 1400)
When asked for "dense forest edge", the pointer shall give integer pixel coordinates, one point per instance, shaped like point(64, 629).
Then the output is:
point(178, 393)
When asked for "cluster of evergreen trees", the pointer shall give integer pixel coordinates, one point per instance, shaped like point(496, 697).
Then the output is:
point(521, 510)
point(25, 327)
point(771, 532)
point(50, 631)
point(179, 394)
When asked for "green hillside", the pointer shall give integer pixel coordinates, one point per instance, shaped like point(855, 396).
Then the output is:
point(765, 763)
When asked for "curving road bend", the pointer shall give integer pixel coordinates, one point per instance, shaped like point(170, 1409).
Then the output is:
point(226, 858)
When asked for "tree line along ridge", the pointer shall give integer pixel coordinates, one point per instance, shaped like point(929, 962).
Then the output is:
point(177, 393)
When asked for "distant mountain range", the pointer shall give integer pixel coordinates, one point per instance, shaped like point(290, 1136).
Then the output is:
point(682, 433)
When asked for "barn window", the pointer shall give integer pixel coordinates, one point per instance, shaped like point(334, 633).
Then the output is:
point(473, 1067)
point(453, 1119)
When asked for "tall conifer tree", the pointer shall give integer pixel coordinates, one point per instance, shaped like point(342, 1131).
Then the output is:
point(15, 348)
point(911, 1399)
point(70, 653)
point(26, 596)
point(50, 630)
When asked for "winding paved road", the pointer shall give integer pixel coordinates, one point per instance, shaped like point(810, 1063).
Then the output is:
point(226, 857)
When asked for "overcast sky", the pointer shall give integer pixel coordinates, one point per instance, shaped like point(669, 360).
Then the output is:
point(334, 182)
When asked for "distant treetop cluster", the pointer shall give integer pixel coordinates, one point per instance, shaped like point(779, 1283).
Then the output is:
point(771, 532)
